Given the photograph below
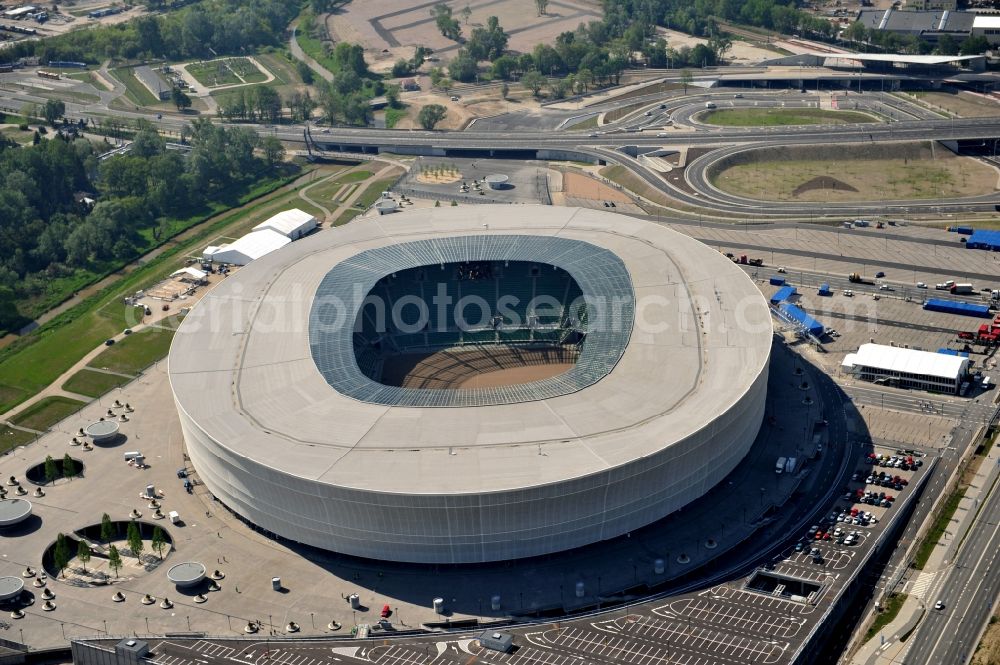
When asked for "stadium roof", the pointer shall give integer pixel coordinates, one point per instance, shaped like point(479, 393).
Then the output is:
point(910, 361)
point(601, 275)
point(241, 364)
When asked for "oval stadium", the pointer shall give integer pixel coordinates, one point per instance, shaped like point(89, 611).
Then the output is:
point(474, 383)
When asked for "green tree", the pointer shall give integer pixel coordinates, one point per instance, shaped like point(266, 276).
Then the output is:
point(488, 42)
point(541, 6)
point(54, 109)
point(466, 13)
point(446, 23)
point(60, 555)
point(180, 99)
point(51, 471)
point(114, 560)
point(68, 466)
point(158, 542)
point(533, 81)
point(431, 115)
point(463, 67)
point(273, 150)
point(134, 539)
point(947, 45)
point(970, 46)
point(83, 553)
point(305, 72)
point(392, 95)
point(107, 528)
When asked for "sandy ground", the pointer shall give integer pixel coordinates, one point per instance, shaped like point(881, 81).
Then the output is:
point(579, 186)
point(740, 53)
point(514, 376)
point(469, 106)
point(389, 24)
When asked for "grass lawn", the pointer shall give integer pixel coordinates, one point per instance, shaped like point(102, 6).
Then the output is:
point(855, 173)
point(315, 50)
point(134, 90)
point(761, 117)
point(93, 384)
point(392, 116)
point(246, 70)
point(212, 74)
point(283, 69)
point(326, 190)
point(136, 352)
point(938, 528)
point(373, 192)
point(587, 123)
point(12, 438)
point(45, 413)
point(961, 104)
point(888, 613)
point(634, 184)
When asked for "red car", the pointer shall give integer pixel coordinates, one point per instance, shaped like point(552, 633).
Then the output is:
point(386, 611)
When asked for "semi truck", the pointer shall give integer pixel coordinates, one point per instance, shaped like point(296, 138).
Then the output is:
point(961, 288)
point(779, 466)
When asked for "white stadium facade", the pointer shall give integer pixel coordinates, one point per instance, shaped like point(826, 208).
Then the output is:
point(280, 377)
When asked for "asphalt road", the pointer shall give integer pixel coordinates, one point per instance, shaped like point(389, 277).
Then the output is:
point(950, 635)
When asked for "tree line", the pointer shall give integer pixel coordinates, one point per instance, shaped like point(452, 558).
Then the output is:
point(47, 232)
point(206, 29)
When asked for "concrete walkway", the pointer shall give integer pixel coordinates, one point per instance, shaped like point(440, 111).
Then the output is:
point(886, 648)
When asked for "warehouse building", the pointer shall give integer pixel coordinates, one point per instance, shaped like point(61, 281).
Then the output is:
point(907, 368)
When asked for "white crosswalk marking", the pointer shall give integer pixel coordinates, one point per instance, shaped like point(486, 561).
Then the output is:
point(922, 584)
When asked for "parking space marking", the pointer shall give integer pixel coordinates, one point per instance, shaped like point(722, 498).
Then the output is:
point(736, 617)
point(213, 649)
point(530, 656)
point(743, 597)
point(394, 655)
point(653, 642)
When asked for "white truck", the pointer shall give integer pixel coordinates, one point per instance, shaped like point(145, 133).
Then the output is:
point(779, 466)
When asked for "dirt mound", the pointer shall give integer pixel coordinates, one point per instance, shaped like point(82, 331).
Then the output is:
point(823, 182)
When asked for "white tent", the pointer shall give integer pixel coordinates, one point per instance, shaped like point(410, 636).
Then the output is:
point(190, 273)
point(292, 223)
point(251, 246)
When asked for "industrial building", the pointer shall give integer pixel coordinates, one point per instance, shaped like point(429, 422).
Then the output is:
point(291, 421)
point(929, 25)
point(293, 223)
point(907, 368)
point(250, 247)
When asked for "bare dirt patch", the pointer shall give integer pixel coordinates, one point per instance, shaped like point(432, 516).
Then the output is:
point(577, 185)
point(741, 52)
point(865, 173)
